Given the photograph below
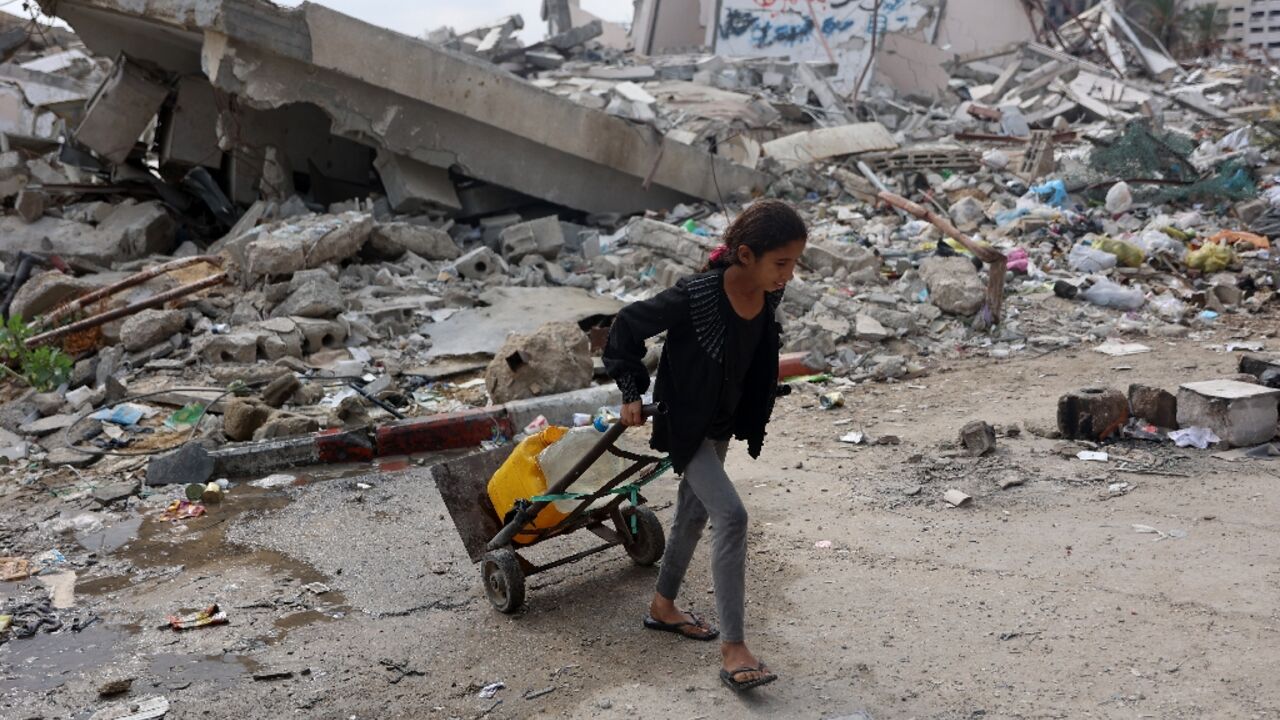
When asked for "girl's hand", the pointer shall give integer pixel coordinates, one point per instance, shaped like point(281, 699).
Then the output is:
point(632, 416)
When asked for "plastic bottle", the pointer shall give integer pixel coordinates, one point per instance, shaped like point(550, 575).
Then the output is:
point(561, 456)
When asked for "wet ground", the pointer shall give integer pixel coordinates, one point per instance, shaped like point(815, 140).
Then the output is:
point(350, 595)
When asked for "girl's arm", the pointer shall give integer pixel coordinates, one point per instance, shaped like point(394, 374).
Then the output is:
point(637, 322)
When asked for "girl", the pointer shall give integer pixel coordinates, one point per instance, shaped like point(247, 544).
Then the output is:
point(718, 377)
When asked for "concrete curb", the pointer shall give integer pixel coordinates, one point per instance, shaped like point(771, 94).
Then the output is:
point(434, 433)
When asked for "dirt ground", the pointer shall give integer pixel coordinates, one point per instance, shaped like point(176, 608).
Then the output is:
point(1035, 601)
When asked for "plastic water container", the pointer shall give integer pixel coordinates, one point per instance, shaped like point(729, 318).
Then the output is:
point(560, 457)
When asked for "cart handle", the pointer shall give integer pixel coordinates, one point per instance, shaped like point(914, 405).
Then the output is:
point(522, 517)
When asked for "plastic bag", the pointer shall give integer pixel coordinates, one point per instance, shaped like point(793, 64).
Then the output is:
point(1105, 293)
point(1154, 242)
point(995, 159)
point(1086, 259)
point(1211, 258)
point(1056, 190)
point(1119, 198)
point(1169, 308)
point(1017, 260)
point(1198, 437)
point(1127, 254)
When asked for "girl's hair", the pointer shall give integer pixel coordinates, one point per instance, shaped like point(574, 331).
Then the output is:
point(765, 225)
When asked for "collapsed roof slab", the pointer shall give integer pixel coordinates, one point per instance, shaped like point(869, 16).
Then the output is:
point(411, 98)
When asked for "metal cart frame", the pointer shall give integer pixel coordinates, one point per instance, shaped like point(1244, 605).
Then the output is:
point(491, 541)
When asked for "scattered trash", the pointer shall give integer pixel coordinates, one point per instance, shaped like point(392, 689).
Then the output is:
point(1198, 437)
point(831, 400)
point(857, 437)
point(823, 545)
point(1115, 348)
point(316, 588)
point(212, 615)
point(1093, 456)
point(274, 481)
point(488, 691)
point(147, 708)
point(1148, 530)
point(182, 510)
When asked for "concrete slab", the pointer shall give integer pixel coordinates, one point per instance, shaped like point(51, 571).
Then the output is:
point(1242, 414)
point(120, 110)
point(807, 147)
point(482, 330)
point(410, 98)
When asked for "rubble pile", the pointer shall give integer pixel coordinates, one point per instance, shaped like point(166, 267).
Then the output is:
point(426, 241)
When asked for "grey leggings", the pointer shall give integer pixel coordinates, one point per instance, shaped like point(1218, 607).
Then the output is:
point(706, 491)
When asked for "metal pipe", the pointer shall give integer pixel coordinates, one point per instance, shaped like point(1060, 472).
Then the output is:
point(106, 317)
point(131, 281)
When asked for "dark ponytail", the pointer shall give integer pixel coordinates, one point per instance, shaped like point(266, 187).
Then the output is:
point(763, 226)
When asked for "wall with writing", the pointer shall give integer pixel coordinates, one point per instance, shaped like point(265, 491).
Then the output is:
point(808, 30)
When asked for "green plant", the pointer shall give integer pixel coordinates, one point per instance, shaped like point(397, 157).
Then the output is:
point(43, 368)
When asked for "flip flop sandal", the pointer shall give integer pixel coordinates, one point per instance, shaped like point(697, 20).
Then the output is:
point(708, 632)
point(739, 686)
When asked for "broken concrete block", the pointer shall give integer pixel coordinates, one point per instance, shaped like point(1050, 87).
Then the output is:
point(188, 464)
point(321, 334)
point(150, 328)
point(1242, 414)
point(278, 391)
point(133, 231)
point(118, 113)
point(48, 403)
point(869, 329)
point(283, 425)
point(287, 247)
point(543, 237)
point(235, 347)
point(954, 285)
point(30, 205)
point(392, 240)
point(968, 213)
point(46, 291)
point(831, 257)
point(1155, 405)
point(554, 359)
point(312, 294)
point(479, 264)
point(414, 187)
point(1092, 413)
point(978, 437)
point(669, 241)
point(242, 418)
point(190, 128)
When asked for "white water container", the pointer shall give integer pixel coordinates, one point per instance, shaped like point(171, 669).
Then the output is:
point(560, 457)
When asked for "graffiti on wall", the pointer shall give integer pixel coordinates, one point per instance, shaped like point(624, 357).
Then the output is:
point(804, 30)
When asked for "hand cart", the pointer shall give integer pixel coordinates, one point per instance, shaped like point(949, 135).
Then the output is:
point(492, 541)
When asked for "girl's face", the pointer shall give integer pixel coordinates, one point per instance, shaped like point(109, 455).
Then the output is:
point(772, 270)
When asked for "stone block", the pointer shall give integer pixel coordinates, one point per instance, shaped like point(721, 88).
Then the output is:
point(978, 438)
point(321, 334)
point(46, 291)
point(234, 347)
point(1092, 413)
point(954, 285)
point(278, 391)
point(120, 110)
point(1155, 405)
point(150, 328)
point(312, 294)
point(30, 205)
point(869, 329)
point(1242, 414)
point(242, 418)
point(413, 187)
point(188, 464)
point(554, 359)
point(829, 257)
point(392, 240)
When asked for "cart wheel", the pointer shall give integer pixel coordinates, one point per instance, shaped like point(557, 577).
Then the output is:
point(503, 579)
point(650, 541)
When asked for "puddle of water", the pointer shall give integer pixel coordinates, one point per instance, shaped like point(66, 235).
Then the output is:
point(110, 539)
point(301, 619)
point(44, 662)
point(174, 672)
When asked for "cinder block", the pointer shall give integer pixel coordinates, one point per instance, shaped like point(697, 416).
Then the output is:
point(1092, 413)
point(1155, 405)
point(1242, 414)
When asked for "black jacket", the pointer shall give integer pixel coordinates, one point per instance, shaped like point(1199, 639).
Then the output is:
point(691, 372)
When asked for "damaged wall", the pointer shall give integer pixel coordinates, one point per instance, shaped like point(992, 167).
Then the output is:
point(444, 109)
